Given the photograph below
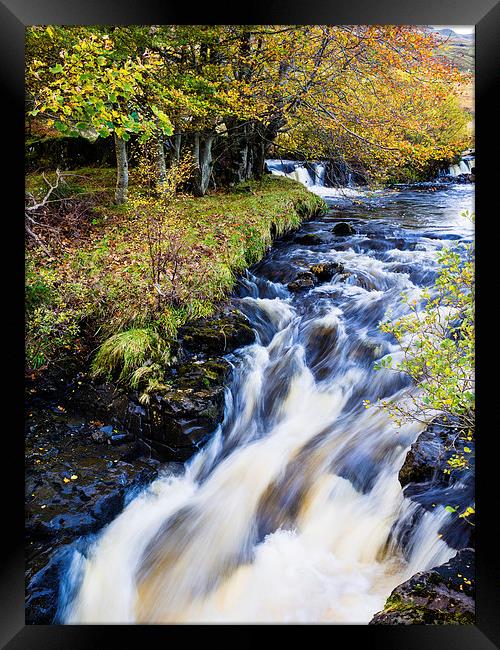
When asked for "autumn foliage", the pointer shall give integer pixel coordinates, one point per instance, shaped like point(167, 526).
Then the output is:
point(377, 97)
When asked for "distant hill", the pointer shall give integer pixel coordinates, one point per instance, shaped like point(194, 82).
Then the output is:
point(457, 48)
point(449, 32)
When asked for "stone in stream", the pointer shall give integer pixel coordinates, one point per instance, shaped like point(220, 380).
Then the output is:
point(429, 454)
point(216, 335)
point(303, 281)
point(180, 418)
point(343, 229)
point(442, 596)
point(317, 273)
point(325, 272)
point(310, 239)
point(427, 481)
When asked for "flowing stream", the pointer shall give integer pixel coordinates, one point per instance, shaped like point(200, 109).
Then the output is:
point(293, 511)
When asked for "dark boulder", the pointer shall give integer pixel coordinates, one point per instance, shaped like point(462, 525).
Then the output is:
point(428, 480)
point(428, 456)
point(221, 334)
point(442, 596)
point(310, 239)
point(303, 282)
point(179, 419)
point(343, 229)
point(325, 272)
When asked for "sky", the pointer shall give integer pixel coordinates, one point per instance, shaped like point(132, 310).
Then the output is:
point(459, 29)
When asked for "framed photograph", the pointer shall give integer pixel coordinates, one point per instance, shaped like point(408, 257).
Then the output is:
point(248, 333)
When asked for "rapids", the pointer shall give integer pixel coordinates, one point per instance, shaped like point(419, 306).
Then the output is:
point(293, 511)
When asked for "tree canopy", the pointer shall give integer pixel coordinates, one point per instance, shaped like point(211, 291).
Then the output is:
point(376, 97)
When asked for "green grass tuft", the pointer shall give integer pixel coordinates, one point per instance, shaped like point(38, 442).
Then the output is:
point(130, 356)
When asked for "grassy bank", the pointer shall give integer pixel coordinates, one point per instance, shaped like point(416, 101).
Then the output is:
point(93, 283)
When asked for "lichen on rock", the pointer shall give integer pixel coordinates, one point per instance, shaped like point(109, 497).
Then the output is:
point(443, 595)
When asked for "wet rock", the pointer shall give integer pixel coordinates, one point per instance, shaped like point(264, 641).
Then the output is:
point(343, 229)
point(80, 491)
point(43, 579)
point(427, 481)
point(429, 454)
point(216, 335)
point(76, 482)
point(303, 282)
point(178, 420)
point(310, 239)
point(325, 272)
point(442, 596)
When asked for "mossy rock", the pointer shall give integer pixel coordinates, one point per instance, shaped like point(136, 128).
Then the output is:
point(202, 375)
point(343, 229)
point(442, 596)
point(180, 418)
point(310, 239)
point(216, 335)
point(325, 272)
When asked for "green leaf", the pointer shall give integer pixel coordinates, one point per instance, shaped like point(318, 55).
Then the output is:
point(61, 127)
point(57, 68)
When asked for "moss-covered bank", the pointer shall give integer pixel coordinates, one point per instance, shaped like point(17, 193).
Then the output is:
point(96, 284)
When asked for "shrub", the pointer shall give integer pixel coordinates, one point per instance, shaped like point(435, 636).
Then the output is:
point(437, 344)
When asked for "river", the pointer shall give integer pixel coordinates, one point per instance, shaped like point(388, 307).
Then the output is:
point(293, 511)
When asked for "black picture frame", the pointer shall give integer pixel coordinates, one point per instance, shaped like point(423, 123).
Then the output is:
point(485, 15)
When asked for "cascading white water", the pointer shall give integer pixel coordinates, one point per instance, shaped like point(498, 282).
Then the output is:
point(292, 511)
point(297, 171)
point(313, 176)
point(465, 166)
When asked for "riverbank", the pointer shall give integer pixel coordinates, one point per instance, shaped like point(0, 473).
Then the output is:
point(93, 277)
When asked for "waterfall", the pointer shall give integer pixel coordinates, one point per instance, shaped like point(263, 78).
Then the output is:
point(293, 511)
point(319, 171)
point(313, 176)
point(465, 166)
point(297, 171)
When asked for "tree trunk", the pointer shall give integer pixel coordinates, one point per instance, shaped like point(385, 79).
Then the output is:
point(202, 154)
point(160, 160)
point(177, 146)
point(243, 154)
point(121, 171)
